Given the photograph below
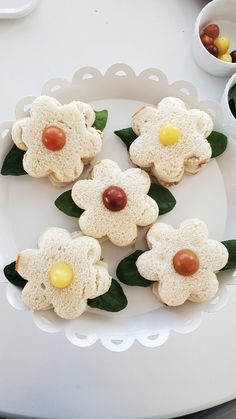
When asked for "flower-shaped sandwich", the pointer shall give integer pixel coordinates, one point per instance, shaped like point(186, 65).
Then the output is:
point(58, 139)
point(171, 140)
point(63, 273)
point(183, 261)
point(115, 203)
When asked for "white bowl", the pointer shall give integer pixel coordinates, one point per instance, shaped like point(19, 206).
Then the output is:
point(230, 121)
point(223, 13)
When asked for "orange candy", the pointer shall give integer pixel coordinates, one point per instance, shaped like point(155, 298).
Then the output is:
point(53, 138)
point(186, 262)
point(206, 40)
point(212, 30)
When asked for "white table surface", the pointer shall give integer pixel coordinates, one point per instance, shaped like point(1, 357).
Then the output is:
point(43, 375)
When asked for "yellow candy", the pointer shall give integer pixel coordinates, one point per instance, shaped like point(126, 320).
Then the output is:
point(222, 44)
point(226, 57)
point(61, 275)
point(169, 134)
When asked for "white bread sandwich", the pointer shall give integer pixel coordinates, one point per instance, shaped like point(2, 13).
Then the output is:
point(183, 262)
point(63, 273)
point(58, 139)
point(115, 203)
point(171, 140)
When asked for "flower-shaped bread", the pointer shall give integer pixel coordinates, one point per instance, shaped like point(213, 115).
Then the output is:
point(58, 139)
point(171, 140)
point(115, 203)
point(183, 261)
point(63, 273)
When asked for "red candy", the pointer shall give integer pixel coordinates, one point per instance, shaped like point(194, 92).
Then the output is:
point(53, 138)
point(213, 50)
point(233, 55)
point(186, 262)
point(114, 198)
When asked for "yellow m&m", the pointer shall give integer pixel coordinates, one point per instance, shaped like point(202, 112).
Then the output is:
point(169, 135)
point(61, 275)
point(222, 44)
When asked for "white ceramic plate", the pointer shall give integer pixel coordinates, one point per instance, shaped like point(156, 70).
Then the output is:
point(27, 208)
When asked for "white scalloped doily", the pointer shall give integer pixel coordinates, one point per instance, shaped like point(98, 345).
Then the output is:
point(144, 320)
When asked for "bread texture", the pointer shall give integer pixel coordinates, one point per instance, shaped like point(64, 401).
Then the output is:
point(83, 142)
point(119, 227)
point(156, 264)
point(168, 163)
point(90, 274)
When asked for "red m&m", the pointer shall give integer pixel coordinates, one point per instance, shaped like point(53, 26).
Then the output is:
point(114, 198)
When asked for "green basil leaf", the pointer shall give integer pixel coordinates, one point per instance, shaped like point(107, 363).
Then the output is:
point(100, 119)
point(13, 163)
point(128, 273)
point(66, 204)
point(218, 143)
point(12, 275)
point(232, 100)
point(232, 93)
point(163, 197)
point(113, 300)
point(232, 106)
point(231, 247)
point(127, 135)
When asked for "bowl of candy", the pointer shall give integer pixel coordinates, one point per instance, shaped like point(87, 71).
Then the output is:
point(214, 39)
